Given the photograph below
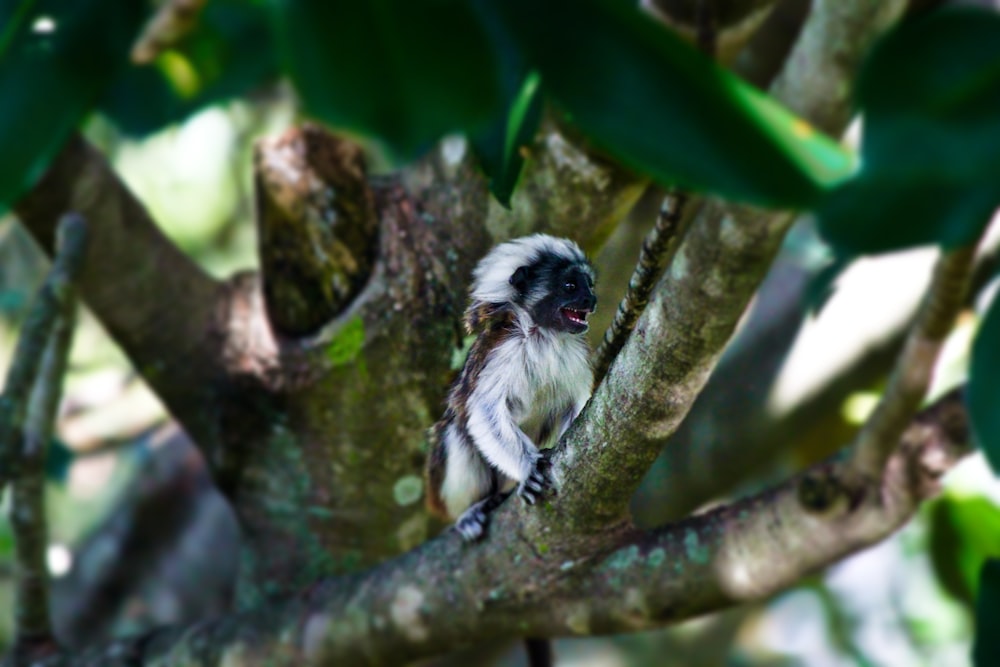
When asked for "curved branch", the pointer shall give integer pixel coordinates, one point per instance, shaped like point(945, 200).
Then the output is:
point(446, 593)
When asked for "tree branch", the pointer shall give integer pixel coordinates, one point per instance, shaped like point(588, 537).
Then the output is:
point(153, 300)
point(567, 188)
point(733, 434)
point(50, 325)
point(911, 376)
point(672, 223)
point(33, 342)
point(697, 305)
point(756, 547)
point(445, 593)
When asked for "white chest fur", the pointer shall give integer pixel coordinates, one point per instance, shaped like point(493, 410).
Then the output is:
point(543, 373)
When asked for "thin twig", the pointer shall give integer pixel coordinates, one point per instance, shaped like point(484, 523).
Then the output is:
point(33, 432)
point(914, 368)
point(28, 519)
point(658, 250)
point(32, 342)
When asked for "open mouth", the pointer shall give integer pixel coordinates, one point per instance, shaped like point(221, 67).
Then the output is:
point(576, 316)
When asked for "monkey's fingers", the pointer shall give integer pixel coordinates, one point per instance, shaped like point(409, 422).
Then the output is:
point(533, 487)
point(535, 484)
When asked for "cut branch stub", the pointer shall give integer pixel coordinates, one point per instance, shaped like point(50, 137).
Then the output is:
point(316, 225)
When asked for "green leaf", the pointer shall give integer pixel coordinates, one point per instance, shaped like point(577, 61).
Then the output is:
point(230, 52)
point(964, 533)
point(406, 72)
point(877, 213)
point(986, 646)
point(500, 148)
point(659, 106)
point(929, 94)
point(984, 386)
point(56, 57)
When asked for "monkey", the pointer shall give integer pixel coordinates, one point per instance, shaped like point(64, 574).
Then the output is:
point(526, 378)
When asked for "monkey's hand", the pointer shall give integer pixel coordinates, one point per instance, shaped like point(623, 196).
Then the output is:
point(471, 524)
point(536, 482)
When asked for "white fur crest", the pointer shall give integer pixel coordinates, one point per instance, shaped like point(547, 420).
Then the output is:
point(491, 278)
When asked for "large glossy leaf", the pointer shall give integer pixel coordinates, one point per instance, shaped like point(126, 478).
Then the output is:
point(497, 144)
point(986, 647)
point(230, 52)
point(984, 386)
point(930, 95)
point(879, 213)
point(658, 105)
point(407, 72)
point(56, 57)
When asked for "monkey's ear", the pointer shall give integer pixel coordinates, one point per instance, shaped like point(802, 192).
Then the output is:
point(520, 279)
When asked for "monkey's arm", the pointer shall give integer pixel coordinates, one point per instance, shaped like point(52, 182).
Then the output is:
point(462, 484)
point(503, 444)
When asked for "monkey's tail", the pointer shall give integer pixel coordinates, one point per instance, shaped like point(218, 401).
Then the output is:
point(539, 652)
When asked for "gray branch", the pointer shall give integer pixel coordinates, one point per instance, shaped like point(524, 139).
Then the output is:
point(51, 328)
point(446, 593)
point(911, 376)
point(32, 343)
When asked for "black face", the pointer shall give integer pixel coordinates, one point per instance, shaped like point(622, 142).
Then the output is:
point(559, 294)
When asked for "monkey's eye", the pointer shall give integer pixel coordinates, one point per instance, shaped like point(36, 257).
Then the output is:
point(569, 287)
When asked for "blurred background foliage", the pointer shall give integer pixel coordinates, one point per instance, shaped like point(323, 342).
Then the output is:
point(181, 130)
